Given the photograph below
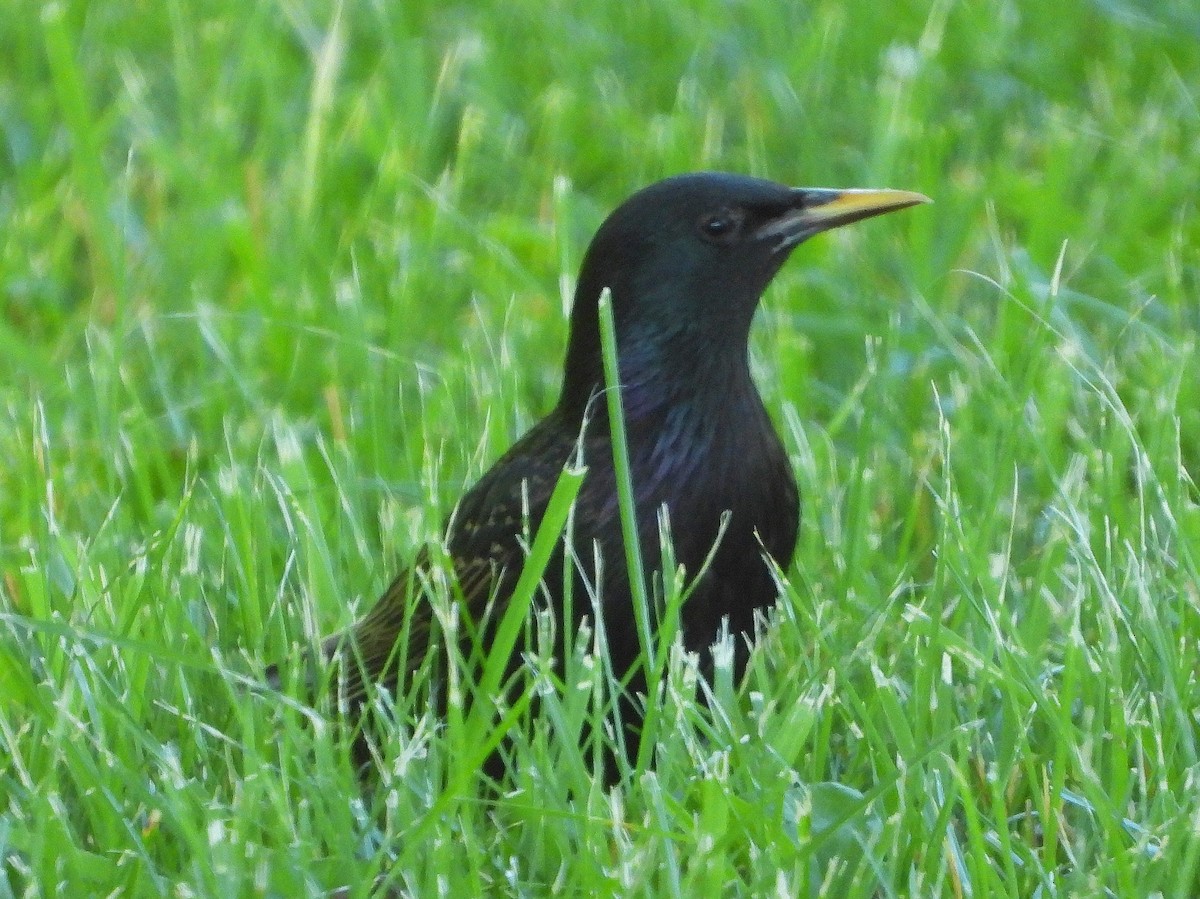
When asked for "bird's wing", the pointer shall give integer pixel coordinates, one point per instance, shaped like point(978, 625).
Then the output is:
point(395, 635)
point(486, 552)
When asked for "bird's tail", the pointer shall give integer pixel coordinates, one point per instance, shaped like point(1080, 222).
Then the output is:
point(372, 650)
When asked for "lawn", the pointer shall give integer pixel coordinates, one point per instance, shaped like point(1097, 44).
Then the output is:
point(279, 280)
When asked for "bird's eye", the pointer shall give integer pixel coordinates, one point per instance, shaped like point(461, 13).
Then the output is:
point(720, 226)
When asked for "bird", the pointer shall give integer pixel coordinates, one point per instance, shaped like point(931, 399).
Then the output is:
point(685, 262)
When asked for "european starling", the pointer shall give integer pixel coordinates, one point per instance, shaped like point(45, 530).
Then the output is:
point(686, 260)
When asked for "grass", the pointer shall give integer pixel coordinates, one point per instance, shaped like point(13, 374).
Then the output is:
point(279, 280)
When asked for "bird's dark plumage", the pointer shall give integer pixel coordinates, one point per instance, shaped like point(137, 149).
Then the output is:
point(686, 261)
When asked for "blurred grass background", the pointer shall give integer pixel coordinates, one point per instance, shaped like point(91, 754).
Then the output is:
point(279, 279)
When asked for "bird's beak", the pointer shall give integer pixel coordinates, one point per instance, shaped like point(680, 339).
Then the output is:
point(819, 209)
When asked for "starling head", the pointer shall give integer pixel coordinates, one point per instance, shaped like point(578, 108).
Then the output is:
point(687, 260)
